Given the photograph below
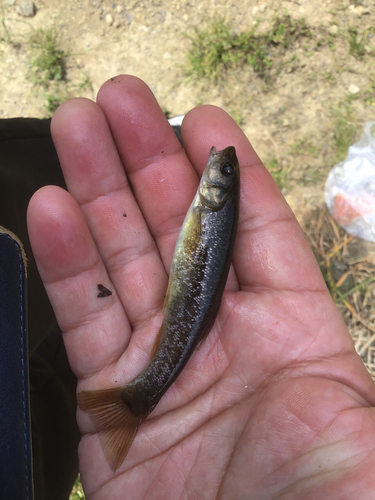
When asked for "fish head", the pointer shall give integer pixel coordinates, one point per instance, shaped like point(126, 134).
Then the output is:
point(220, 179)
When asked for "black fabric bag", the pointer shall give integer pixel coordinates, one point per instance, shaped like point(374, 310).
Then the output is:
point(16, 479)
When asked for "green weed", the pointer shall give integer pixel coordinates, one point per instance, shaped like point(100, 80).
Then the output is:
point(310, 175)
point(356, 43)
point(238, 117)
point(330, 78)
point(369, 94)
point(345, 128)
point(52, 102)
point(48, 68)
point(219, 48)
point(7, 38)
point(86, 83)
point(77, 491)
point(167, 113)
point(278, 173)
point(285, 31)
point(49, 61)
point(304, 147)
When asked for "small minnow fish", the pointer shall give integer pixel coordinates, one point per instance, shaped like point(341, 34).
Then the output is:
point(197, 279)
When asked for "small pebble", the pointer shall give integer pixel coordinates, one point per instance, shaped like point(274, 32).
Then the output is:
point(333, 29)
point(353, 89)
point(26, 9)
point(109, 19)
point(358, 10)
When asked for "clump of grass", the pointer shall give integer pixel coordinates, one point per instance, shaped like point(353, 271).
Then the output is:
point(285, 31)
point(330, 78)
point(48, 68)
point(369, 94)
point(49, 61)
point(345, 129)
point(304, 147)
point(219, 48)
point(356, 43)
point(52, 102)
point(238, 117)
point(86, 83)
point(167, 113)
point(343, 260)
point(77, 491)
point(278, 173)
point(8, 37)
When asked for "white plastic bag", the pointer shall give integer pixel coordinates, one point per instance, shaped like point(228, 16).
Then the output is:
point(350, 187)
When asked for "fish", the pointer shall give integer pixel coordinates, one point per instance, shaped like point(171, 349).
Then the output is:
point(197, 278)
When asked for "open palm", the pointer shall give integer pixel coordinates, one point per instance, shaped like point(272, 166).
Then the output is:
point(275, 404)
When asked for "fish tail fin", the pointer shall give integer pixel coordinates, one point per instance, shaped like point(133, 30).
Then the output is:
point(113, 420)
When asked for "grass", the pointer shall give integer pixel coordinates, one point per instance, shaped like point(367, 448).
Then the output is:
point(52, 102)
point(77, 491)
point(304, 147)
point(7, 38)
point(345, 128)
point(278, 173)
point(86, 83)
point(340, 132)
point(286, 31)
point(238, 117)
point(49, 61)
point(47, 68)
point(369, 93)
point(349, 277)
point(219, 48)
point(357, 43)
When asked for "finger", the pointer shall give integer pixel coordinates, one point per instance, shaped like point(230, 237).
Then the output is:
point(163, 179)
point(96, 178)
point(271, 249)
point(71, 268)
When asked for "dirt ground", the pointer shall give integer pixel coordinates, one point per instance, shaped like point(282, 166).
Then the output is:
point(320, 85)
point(290, 122)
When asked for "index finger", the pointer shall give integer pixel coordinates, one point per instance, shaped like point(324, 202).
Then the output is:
point(157, 167)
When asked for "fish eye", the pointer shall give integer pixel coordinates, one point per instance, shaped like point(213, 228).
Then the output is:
point(227, 170)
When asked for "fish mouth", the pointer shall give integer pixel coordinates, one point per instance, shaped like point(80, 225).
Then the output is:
point(227, 154)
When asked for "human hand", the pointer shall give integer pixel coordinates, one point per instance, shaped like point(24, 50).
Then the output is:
point(275, 404)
